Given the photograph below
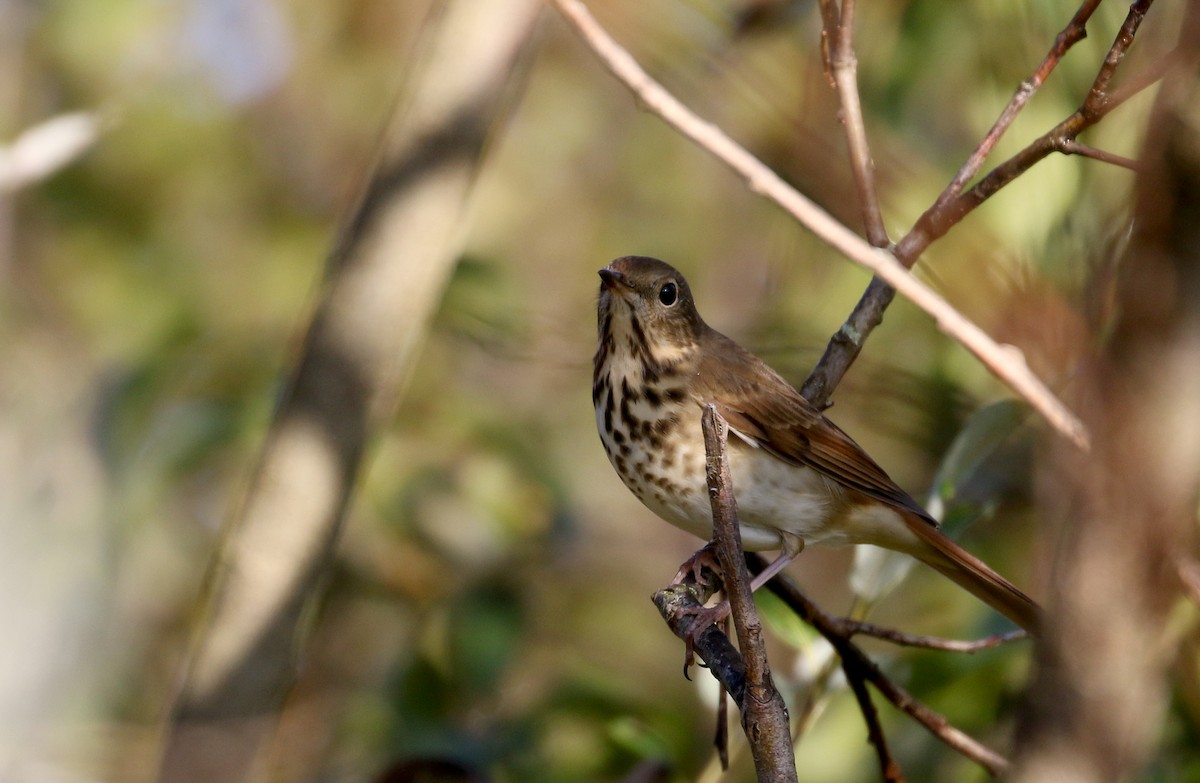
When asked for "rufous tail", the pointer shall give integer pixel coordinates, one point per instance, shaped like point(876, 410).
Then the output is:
point(973, 575)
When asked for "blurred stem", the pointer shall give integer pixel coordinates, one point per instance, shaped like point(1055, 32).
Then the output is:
point(383, 281)
point(1123, 519)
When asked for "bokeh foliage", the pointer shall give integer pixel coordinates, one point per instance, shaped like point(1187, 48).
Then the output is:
point(489, 598)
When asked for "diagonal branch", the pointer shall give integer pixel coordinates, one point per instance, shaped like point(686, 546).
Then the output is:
point(1005, 362)
point(947, 213)
point(1073, 33)
point(952, 205)
point(864, 667)
point(887, 765)
point(852, 627)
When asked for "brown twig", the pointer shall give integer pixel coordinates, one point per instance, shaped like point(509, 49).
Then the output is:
point(851, 627)
point(858, 686)
point(838, 33)
point(1073, 33)
point(1072, 147)
point(945, 214)
point(829, 628)
point(764, 716)
point(837, 36)
point(1005, 362)
point(847, 342)
point(679, 605)
point(1148, 77)
point(952, 205)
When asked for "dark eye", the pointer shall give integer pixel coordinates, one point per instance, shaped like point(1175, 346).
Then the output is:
point(668, 294)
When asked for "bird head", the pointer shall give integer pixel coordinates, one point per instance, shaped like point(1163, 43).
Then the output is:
point(648, 303)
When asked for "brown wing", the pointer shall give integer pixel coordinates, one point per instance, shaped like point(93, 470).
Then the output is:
point(761, 405)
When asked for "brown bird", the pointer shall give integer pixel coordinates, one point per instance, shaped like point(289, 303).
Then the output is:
point(797, 477)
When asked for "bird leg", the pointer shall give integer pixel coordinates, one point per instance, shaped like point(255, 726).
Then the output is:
point(706, 557)
point(793, 545)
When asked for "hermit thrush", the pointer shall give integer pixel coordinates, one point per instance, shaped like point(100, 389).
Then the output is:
point(797, 478)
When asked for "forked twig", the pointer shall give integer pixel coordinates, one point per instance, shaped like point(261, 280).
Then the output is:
point(1073, 33)
point(1072, 147)
point(950, 210)
point(952, 205)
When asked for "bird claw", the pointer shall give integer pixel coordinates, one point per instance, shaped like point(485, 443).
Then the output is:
point(705, 557)
point(704, 616)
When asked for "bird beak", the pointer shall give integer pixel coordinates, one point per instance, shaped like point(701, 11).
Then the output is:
point(612, 280)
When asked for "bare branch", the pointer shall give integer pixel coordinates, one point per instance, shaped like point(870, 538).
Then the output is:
point(1072, 147)
point(679, 604)
point(839, 35)
point(952, 205)
point(1098, 96)
point(1073, 33)
point(945, 214)
point(764, 716)
point(847, 342)
point(1005, 362)
point(853, 627)
point(828, 627)
point(858, 685)
point(1140, 81)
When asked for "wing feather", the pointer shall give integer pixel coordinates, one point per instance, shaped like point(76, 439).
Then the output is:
point(762, 406)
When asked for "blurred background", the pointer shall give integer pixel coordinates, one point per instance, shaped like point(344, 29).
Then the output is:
point(489, 599)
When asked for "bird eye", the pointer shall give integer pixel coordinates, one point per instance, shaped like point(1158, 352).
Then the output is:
point(668, 294)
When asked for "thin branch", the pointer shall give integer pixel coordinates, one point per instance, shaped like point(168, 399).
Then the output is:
point(837, 37)
point(679, 604)
point(764, 716)
point(843, 348)
point(1098, 95)
point(843, 64)
point(1072, 147)
point(858, 686)
point(943, 215)
point(1006, 363)
point(852, 627)
point(952, 205)
point(1073, 33)
point(1150, 76)
point(828, 627)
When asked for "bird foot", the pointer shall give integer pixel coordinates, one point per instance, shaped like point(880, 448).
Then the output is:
point(705, 557)
point(703, 617)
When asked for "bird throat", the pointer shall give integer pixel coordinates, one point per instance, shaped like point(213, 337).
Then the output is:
point(647, 421)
